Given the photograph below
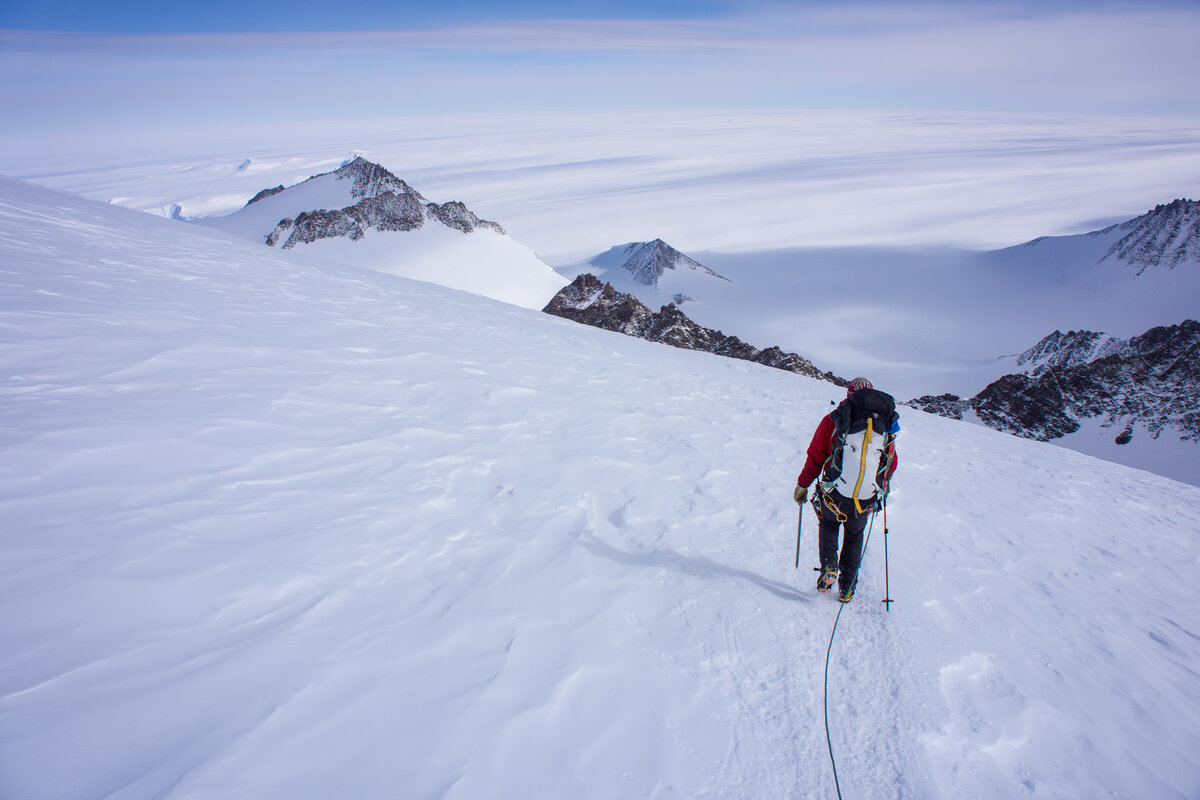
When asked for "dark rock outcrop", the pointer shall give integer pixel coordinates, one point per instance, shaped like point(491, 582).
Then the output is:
point(1152, 379)
point(265, 193)
point(591, 302)
point(384, 212)
point(455, 215)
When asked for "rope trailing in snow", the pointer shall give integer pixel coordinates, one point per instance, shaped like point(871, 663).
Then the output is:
point(833, 633)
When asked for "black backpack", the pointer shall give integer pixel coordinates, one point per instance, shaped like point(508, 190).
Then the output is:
point(864, 428)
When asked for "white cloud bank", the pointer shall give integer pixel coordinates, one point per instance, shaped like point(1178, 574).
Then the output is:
point(575, 184)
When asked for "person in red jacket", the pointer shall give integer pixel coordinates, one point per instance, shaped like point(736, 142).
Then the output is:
point(834, 510)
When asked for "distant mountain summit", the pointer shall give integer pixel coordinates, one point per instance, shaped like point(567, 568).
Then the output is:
point(654, 272)
point(352, 215)
point(599, 305)
point(1152, 380)
point(384, 203)
point(647, 261)
point(1167, 236)
point(1070, 349)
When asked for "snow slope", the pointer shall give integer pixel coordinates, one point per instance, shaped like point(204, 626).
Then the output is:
point(268, 530)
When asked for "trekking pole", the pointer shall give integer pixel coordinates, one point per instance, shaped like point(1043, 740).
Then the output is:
point(887, 590)
point(799, 525)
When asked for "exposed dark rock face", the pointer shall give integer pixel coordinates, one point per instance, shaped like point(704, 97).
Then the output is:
point(265, 193)
point(455, 215)
point(283, 227)
point(945, 405)
point(1152, 379)
point(587, 300)
point(1031, 407)
point(385, 212)
point(591, 302)
point(1168, 236)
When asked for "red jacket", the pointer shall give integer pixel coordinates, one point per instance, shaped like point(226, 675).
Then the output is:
point(820, 448)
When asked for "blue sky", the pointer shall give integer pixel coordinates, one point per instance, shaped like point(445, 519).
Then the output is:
point(227, 16)
point(160, 66)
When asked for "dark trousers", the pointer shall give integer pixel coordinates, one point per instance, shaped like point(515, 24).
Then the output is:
point(852, 539)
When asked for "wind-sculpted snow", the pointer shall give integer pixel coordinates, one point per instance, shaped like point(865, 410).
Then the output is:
point(271, 529)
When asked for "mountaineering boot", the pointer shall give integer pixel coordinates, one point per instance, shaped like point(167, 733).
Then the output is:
point(846, 595)
point(826, 580)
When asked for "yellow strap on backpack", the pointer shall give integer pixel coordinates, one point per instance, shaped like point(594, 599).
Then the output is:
point(862, 465)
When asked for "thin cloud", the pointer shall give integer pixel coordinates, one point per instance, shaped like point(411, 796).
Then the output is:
point(1127, 59)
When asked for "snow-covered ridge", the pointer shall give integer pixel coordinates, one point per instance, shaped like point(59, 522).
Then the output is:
point(387, 204)
point(347, 202)
point(1069, 350)
point(364, 215)
point(1169, 235)
point(588, 301)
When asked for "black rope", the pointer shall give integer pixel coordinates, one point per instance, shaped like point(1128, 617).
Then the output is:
point(833, 633)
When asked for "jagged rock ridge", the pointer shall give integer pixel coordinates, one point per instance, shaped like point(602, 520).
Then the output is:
point(387, 204)
point(591, 302)
point(647, 261)
point(1169, 235)
point(265, 193)
point(1068, 350)
point(1153, 379)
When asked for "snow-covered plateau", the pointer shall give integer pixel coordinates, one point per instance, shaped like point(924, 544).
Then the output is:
point(272, 528)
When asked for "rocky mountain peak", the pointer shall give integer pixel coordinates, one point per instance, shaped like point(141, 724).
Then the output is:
point(1068, 350)
point(647, 261)
point(371, 179)
point(384, 203)
point(1169, 235)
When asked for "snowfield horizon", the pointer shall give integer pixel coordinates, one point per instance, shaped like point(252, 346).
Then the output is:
point(284, 529)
